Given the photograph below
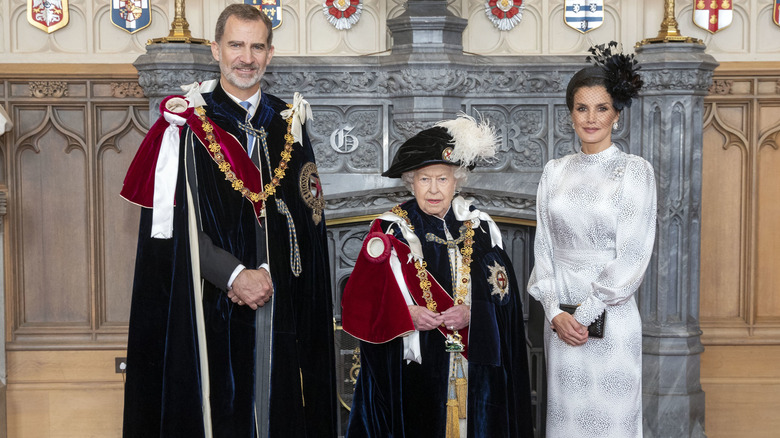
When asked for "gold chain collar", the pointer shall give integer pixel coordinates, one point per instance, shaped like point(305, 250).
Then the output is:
point(461, 291)
point(225, 167)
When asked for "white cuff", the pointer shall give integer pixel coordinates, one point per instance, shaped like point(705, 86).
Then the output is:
point(233, 276)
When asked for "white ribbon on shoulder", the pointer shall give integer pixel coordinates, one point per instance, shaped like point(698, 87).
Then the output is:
point(192, 91)
point(166, 171)
point(460, 207)
point(300, 112)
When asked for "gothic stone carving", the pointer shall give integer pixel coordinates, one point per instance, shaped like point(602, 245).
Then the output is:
point(666, 79)
point(41, 89)
point(126, 89)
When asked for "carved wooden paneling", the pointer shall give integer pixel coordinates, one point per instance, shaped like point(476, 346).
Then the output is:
point(740, 279)
point(725, 160)
point(740, 207)
point(768, 212)
point(51, 188)
point(72, 238)
point(119, 132)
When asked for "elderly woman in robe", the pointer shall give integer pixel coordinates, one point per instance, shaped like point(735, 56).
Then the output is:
point(434, 301)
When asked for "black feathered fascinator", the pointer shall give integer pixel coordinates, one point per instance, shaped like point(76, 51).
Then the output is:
point(616, 71)
point(622, 77)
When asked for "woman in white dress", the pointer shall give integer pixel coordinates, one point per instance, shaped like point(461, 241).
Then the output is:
point(596, 218)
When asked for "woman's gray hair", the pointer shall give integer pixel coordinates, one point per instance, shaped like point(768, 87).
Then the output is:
point(461, 177)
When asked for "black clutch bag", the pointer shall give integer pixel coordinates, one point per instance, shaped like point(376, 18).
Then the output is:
point(595, 330)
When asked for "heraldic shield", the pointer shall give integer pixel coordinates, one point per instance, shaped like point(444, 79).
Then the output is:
point(584, 15)
point(712, 15)
point(272, 8)
point(131, 15)
point(48, 15)
point(776, 13)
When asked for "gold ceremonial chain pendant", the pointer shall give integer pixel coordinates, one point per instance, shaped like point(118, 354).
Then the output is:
point(224, 166)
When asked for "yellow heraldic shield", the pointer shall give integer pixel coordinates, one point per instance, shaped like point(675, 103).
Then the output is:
point(48, 15)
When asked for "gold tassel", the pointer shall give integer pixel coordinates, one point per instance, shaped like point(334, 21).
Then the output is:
point(461, 391)
point(453, 423)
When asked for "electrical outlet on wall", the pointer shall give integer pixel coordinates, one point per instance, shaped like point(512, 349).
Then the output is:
point(120, 365)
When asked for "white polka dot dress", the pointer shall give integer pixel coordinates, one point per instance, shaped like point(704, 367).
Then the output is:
point(596, 217)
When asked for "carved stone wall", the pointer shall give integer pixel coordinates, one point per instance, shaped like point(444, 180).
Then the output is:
point(357, 127)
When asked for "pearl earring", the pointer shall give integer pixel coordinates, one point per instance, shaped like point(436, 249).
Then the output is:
point(615, 126)
point(572, 125)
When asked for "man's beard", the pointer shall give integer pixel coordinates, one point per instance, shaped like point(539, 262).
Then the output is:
point(240, 82)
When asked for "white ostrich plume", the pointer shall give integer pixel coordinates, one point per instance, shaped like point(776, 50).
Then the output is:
point(471, 140)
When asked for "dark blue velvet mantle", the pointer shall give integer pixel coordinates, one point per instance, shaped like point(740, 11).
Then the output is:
point(162, 392)
point(396, 399)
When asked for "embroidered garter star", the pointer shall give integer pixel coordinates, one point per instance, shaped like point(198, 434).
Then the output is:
point(499, 280)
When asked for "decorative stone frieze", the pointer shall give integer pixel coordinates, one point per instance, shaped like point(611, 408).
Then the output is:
point(721, 87)
point(48, 89)
point(126, 89)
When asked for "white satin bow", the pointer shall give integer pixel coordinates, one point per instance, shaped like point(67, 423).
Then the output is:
point(192, 91)
point(300, 112)
point(460, 207)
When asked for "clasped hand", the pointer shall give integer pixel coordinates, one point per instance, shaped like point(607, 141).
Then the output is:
point(569, 330)
point(454, 318)
point(252, 287)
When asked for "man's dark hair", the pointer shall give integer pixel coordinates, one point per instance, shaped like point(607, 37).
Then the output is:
point(243, 12)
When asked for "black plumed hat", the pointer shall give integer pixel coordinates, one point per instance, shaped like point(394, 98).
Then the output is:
point(459, 142)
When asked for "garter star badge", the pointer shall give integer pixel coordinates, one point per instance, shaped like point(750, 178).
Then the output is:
point(311, 191)
point(131, 15)
point(712, 15)
point(499, 280)
point(48, 15)
point(272, 8)
point(505, 14)
point(342, 14)
point(584, 15)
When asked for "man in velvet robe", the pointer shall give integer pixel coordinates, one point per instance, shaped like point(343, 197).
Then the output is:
point(231, 324)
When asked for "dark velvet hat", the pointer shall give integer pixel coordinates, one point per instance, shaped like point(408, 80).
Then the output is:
point(459, 142)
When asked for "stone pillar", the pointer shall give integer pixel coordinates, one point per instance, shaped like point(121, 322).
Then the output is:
point(427, 39)
point(667, 131)
point(165, 67)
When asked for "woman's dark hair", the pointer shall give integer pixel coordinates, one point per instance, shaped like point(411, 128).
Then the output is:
point(587, 77)
point(616, 72)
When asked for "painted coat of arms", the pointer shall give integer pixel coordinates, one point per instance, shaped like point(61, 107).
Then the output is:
point(272, 8)
point(342, 14)
point(712, 15)
point(131, 15)
point(776, 13)
point(48, 15)
point(505, 14)
point(584, 15)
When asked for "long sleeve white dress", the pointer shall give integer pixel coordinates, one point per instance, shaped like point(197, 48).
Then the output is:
point(596, 218)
